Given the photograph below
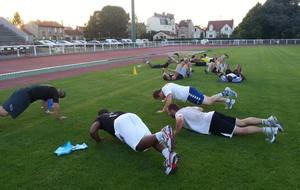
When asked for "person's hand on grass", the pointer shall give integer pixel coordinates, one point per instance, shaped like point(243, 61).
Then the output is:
point(62, 117)
point(48, 112)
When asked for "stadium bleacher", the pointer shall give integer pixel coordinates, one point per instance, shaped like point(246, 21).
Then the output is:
point(9, 37)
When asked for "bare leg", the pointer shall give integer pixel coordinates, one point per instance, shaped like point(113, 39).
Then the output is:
point(210, 66)
point(248, 121)
point(174, 77)
point(3, 112)
point(238, 70)
point(247, 130)
point(248, 126)
point(147, 142)
point(213, 99)
point(44, 105)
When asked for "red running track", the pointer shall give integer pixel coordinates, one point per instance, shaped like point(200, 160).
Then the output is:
point(29, 63)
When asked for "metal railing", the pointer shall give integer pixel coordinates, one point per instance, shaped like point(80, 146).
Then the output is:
point(42, 50)
point(52, 69)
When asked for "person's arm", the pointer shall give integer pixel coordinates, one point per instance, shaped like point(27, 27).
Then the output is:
point(44, 105)
point(174, 77)
point(57, 112)
point(168, 101)
point(94, 132)
point(179, 124)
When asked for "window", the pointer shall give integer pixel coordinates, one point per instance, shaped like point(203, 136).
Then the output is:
point(226, 28)
point(164, 21)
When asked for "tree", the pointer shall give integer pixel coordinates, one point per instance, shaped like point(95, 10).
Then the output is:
point(140, 30)
point(149, 35)
point(17, 20)
point(110, 22)
point(282, 18)
point(251, 26)
point(274, 19)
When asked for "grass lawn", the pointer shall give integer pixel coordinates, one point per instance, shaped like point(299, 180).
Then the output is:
point(207, 162)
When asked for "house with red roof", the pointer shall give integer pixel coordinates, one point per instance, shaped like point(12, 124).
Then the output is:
point(219, 29)
point(45, 29)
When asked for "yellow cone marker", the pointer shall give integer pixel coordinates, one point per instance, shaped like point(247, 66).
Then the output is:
point(134, 71)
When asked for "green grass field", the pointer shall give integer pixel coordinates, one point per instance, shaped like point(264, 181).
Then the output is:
point(207, 162)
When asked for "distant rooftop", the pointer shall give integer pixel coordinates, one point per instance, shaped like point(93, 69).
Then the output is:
point(164, 15)
point(49, 24)
point(218, 24)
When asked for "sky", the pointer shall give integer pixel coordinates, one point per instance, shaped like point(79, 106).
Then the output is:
point(77, 12)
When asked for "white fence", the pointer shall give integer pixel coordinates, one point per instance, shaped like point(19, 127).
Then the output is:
point(42, 50)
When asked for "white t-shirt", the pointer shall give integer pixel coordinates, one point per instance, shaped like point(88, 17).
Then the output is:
point(178, 92)
point(195, 120)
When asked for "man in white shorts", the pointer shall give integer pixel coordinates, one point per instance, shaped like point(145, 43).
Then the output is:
point(172, 91)
point(216, 123)
point(130, 129)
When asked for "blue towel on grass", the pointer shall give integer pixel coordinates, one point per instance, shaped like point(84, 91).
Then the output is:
point(67, 148)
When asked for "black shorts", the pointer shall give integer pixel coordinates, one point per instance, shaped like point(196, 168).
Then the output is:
point(179, 76)
point(222, 125)
point(200, 64)
point(17, 102)
point(169, 78)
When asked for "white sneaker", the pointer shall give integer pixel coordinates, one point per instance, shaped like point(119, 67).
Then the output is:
point(171, 163)
point(229, 103)
point(146, 61)
point(271, 134)
point(229, 92)
point(168, 137)
point(272, 120)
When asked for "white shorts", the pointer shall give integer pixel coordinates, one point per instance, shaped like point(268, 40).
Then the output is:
point(130, 129)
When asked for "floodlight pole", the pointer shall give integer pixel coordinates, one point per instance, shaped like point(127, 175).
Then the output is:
point(133, 25)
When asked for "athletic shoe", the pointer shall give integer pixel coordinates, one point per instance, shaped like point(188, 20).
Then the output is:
point(146, 61)
point(272, 120)
point(229, 103)
point(171, 163)
point(229, 92)
point(171, 59)
point(271, 134)
point(168, 137)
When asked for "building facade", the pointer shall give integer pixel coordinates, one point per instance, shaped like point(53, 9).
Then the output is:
point(49, 30)
point(198, 32)
point(186, 29)
point(73, 34)
point(161, 22)
point(164, 35)
point(219, 29)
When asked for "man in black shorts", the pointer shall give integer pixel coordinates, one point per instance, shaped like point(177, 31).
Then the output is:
point(218, 124)
point(23, 97)
point(130, 129)
point(169, 61)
